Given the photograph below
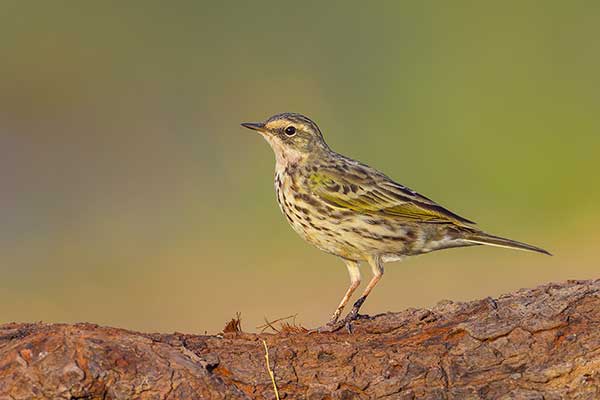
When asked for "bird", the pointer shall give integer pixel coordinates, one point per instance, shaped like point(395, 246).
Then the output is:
point(355, 212)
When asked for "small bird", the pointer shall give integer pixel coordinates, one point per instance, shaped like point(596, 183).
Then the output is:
point(355, 212)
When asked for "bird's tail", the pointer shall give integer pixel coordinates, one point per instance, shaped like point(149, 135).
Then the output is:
point(491, 240)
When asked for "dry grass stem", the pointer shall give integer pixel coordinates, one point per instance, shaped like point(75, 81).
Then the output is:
point(269, 369)
point(284, 326)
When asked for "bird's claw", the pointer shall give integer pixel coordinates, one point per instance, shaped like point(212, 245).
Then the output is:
point(334, 326)
point(351, 317)
point(329, 327)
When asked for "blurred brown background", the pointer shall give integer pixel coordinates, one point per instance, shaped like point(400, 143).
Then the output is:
point(131, 197)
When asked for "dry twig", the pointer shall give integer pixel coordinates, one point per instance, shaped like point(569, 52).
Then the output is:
point(269, 369)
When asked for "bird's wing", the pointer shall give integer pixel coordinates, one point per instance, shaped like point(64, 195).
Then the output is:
point(368, 192)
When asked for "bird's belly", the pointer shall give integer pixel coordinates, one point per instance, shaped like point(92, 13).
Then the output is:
point(341, 232)
point(315, 227)
point(353, 238)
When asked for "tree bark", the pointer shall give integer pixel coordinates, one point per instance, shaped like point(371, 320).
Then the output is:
point(541, 343)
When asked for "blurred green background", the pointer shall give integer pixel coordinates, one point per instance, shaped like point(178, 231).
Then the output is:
point(131, 197)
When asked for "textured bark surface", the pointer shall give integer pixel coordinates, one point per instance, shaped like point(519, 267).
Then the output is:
point(541, 343)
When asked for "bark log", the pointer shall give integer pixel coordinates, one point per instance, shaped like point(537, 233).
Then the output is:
point(541, 343)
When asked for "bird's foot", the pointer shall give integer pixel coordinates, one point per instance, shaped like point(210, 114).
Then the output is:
point(351, 317)
point(334, 326)
point(354, 315)
point(329, 327)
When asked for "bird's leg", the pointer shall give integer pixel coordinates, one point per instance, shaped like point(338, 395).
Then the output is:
point(354, 273)
point(377, 267)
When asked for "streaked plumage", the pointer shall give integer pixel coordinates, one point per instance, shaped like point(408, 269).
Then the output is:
point(355, 212)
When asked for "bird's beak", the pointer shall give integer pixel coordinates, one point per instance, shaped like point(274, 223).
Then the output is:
point(255, 126)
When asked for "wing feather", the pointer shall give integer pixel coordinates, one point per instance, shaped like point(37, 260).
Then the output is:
point(366, 192)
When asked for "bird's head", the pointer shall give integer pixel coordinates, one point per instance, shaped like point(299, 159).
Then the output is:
point(292, 136)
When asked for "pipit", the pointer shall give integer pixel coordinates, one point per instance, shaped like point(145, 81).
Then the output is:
point(355, 212)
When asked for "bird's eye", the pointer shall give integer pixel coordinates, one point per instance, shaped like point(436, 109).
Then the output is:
point(290, 131)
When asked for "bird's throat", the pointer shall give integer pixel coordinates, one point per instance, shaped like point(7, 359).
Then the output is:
point(285, 156)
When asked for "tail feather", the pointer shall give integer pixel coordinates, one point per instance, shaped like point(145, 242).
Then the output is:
point(491, 240)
